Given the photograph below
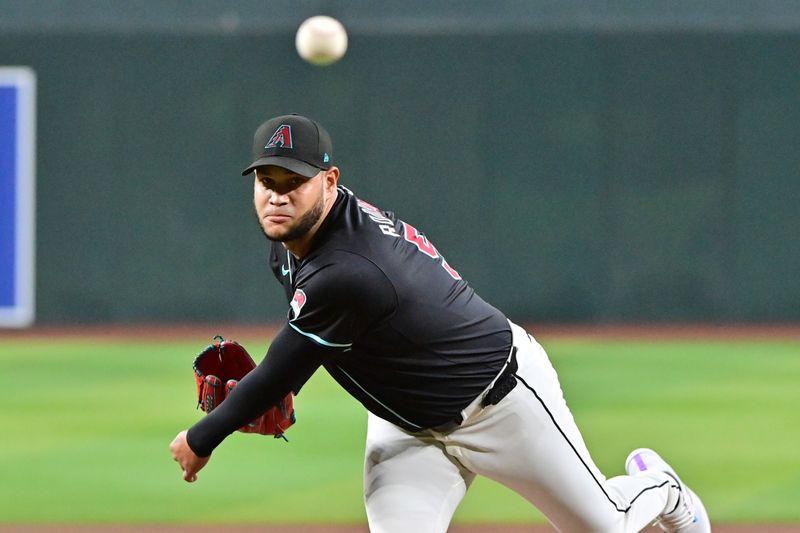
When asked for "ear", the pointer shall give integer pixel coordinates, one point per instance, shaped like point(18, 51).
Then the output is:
point(331, 179)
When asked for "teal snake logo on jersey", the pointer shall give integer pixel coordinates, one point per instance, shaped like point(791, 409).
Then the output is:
point(282, 137)
point(298, 301)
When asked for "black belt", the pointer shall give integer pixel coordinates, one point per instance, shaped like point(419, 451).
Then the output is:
point(504, 384)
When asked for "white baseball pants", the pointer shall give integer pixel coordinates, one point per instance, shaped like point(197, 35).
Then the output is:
point(528, 442)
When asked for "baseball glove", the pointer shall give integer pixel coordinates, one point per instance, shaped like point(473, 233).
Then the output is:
point(218, 369)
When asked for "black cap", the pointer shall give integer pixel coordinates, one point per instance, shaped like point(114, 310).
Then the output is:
point(293, 142)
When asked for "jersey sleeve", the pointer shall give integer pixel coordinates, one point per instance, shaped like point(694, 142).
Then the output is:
point(340, 300)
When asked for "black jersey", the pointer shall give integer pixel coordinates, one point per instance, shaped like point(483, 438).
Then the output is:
point(409, 338)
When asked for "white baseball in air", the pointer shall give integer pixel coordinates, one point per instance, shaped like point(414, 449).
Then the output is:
point(321, 40)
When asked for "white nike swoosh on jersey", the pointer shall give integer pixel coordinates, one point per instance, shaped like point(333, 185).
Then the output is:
point(284, 271)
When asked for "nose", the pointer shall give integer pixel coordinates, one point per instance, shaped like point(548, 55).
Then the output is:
point(277, 198)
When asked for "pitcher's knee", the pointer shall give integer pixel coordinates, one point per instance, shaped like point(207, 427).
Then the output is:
point(397, 517)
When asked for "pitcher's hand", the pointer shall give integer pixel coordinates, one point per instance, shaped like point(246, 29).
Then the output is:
point(190, 463)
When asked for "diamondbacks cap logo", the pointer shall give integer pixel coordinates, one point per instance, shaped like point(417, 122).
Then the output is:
point(282, 138)
point(298, 301)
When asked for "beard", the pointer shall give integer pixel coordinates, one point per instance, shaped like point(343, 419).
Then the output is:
point(301, 227)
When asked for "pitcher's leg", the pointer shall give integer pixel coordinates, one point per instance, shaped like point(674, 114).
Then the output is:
point(410, 484)
point(530, 443)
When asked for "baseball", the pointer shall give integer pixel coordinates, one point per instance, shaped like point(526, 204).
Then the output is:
point(321, 40)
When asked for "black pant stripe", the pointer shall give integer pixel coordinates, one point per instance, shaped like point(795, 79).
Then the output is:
point(575, 451)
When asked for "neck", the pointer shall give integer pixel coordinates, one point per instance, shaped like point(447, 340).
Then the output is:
point(301, 246)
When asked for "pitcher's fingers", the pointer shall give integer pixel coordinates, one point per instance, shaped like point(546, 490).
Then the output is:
point(189, 475)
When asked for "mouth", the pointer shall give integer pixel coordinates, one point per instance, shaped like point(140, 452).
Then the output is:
point(275, 218)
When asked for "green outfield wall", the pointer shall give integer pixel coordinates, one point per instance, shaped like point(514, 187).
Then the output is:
point(570, 172)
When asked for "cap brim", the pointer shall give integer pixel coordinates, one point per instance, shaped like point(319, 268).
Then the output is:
point(299, 167)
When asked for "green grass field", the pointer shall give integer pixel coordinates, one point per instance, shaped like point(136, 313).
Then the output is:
point(85, 437)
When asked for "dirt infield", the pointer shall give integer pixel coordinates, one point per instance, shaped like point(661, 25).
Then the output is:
point(345, 529)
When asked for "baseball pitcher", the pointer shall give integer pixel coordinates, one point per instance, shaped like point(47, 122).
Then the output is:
point(453, 388)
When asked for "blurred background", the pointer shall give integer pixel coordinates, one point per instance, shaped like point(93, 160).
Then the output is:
point(577, 161)
point(584, 162)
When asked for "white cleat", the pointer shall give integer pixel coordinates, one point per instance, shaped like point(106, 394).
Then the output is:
point(686, 513)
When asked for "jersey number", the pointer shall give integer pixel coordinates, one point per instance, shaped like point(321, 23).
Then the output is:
point(412, 235)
